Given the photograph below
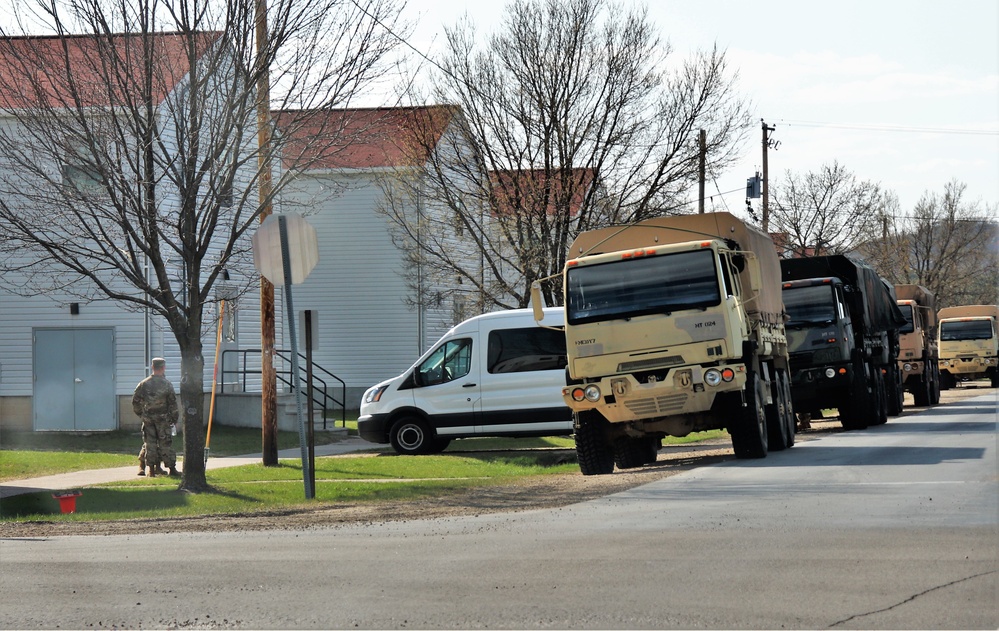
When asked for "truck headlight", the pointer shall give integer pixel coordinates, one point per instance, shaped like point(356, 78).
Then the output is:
point(907, 367)
point(830, 373)
point(712, 377)
point(592, 393)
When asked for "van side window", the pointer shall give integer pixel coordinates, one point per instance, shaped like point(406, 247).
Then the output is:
point(525, 350)
point(451, 360)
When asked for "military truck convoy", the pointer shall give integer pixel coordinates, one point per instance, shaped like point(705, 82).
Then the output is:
point(843, 332)
point(969, 344)
point(688, 323)
point(674, 325)
point(917, 356)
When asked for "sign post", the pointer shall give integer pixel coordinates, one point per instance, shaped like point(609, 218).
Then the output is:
point(285, 250)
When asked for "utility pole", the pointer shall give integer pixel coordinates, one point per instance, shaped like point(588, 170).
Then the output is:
point(700, 170)
point(268, 392)
point(766, 176)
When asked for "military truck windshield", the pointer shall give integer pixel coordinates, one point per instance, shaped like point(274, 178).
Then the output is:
point(810, 306)
point(965, 330)
point(642, 286)
point(907, 314)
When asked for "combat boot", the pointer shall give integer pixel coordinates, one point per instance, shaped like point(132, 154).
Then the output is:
point(152, 472)
point(142, 471)
point(160, 471)
point(174, 473)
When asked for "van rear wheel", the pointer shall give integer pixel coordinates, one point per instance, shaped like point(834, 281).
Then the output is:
point(411, 436)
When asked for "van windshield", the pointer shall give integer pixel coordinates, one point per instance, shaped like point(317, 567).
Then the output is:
point(642, 286)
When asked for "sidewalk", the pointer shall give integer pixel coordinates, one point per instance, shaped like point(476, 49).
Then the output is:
point(79, 479)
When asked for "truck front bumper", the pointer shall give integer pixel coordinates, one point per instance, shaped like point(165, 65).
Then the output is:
point(820, 387)
point(687, 390)
point(968, 367)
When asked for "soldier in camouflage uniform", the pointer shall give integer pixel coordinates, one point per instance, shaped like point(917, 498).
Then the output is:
point(155, 402)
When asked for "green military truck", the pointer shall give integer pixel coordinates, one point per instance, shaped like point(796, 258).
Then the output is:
point(843, 333)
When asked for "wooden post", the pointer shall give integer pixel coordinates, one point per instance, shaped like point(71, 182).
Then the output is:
point(268, 393)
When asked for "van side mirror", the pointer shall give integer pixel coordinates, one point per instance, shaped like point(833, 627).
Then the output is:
point(537, 301)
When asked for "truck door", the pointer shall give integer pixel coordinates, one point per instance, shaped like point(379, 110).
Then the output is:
point(447, 386)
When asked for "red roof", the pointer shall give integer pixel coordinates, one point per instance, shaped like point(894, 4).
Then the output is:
point(102, 70)
point(517, 191)
point(362, 138)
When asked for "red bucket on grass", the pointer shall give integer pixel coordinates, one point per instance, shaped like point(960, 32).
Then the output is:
point(67, 501)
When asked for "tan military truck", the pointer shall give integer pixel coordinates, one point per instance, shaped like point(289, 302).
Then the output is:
point(917, 355)
point(674, 325)
point(969, 344)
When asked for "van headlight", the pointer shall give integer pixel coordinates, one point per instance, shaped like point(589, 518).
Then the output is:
point(374, 394)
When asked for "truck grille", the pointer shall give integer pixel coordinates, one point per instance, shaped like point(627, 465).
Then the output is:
point(647, 364)
point(657, 406)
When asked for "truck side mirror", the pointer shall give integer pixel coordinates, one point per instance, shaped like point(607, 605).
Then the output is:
point(537, 301)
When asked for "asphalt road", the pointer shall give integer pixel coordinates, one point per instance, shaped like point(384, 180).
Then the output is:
point(892, 527)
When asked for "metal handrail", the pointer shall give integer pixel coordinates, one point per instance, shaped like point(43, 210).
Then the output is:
point(320, 388)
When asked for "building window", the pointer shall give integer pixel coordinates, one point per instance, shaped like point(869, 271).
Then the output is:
point(79, 171)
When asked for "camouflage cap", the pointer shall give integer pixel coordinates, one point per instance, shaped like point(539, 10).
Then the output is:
point(158, 362)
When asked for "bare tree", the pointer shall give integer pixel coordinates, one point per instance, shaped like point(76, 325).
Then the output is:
point(826, 212)
point(573, 116)
point(949, 245)
point(129, 147)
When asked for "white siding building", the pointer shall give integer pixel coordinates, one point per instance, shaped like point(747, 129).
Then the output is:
point(69, 357)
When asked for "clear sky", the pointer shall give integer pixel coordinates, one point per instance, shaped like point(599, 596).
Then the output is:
point(900, 92)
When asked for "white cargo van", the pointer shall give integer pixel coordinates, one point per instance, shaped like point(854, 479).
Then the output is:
point(497, 374)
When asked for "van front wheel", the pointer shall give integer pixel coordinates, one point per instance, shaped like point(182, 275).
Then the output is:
point(411, 436)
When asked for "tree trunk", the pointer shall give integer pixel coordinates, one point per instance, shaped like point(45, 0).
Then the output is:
point(192, 404)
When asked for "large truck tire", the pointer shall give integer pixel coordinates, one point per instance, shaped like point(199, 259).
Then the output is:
point(780, 417)
point(630, 452)
point(749, 433)
point(935, 385)
point(922, 393)
point(594, 455)
point(883, 393)
point(947, 381)
point(894, 390)
point(790, 418)
point(652, 446)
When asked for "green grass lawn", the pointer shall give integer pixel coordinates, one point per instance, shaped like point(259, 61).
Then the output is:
point(255, 487)
point(249, 488)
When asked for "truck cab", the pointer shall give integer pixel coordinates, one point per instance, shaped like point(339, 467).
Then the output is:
point(968, 344)
point(820, 341)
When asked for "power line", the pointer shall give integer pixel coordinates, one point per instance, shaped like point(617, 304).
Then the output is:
point(894, 128)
